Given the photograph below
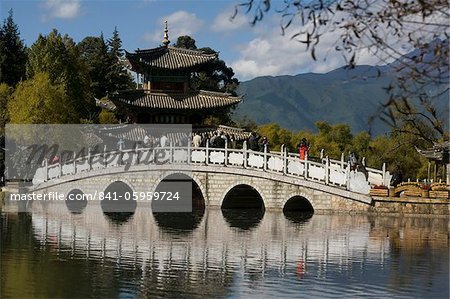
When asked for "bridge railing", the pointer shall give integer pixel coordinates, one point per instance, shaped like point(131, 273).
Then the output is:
point(374, 176)
point(325, 171)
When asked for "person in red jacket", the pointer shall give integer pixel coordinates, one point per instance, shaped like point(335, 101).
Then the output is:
point(303, 149)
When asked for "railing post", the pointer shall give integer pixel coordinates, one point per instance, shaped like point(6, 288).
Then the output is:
point(189, 151)
point(347, 171)
point(74, 163)
point(171, 152)
point(321, 155)
point(105, 160)
point(363, 161)
point(306, 166)
point(60, 168)
point(265, 157)
point(46, 169)
point(244, 152)
point(226, 153)
point(207, 152)
point(342, 160)
point(384, 172)
point(153, 156)
point(135, 154)
point(89, 159)
point(285, 161)
point(327, 170)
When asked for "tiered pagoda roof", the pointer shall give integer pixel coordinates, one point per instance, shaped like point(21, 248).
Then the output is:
point(164, 75)
point(157, 100)
point(169, 58)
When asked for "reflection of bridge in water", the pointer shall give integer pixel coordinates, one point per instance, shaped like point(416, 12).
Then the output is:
point(277, 177)
point(213, 253)
point(213, 240)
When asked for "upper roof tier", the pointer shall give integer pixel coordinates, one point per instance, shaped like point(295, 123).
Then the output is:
point(171, 58)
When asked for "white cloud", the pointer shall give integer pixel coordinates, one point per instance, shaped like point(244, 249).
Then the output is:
point(61, 9)
point(225, 23)
point(179, 23)
point(270, 53)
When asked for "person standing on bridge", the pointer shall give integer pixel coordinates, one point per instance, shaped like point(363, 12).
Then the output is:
point(146, 141)
point(352, 161)
point(196, 140)
point(120, 143)
point(163, 140)
point(264, 144)
point(220, 140)
point(303, 148)
point(212, 140)
point(253, 141)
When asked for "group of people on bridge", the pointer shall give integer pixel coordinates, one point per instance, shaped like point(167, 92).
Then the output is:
point(220, 139)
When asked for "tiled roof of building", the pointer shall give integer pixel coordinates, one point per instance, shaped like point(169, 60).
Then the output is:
point(238, 133)
point(196, 100)
point(138, 132)
point(169, 58)
point(439, 151)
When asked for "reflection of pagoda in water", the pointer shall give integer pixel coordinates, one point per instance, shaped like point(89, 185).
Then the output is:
point(167, 95)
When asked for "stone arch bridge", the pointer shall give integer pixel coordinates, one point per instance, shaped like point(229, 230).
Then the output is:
point(327, 185)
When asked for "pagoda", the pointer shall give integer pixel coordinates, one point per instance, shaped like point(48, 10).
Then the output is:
point(166, 95)
point(439, 154)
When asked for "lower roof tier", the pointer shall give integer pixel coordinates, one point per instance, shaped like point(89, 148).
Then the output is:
point(187, 101)
point(136, 133)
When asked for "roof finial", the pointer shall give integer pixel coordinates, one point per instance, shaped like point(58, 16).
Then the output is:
point(166, 40)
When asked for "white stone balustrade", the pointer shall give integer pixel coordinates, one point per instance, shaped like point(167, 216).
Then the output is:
point(327, 171)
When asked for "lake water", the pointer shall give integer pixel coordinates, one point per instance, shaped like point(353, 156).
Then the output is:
point(52, 253)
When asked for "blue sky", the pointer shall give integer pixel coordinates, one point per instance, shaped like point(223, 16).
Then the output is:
point(251, 51)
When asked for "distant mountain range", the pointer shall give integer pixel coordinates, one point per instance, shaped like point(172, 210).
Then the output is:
point(349, 96)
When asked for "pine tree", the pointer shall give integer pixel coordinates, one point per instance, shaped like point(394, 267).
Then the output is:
point(13, 54)
point(115, 44)
point(119, 78)
point(94, 53)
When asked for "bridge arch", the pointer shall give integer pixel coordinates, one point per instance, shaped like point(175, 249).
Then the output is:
point(117, 203)
point(245, 197)
point(298, 208)
point(191, 175)
point(297, 201)
point(75, 201)
point(165, 214)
